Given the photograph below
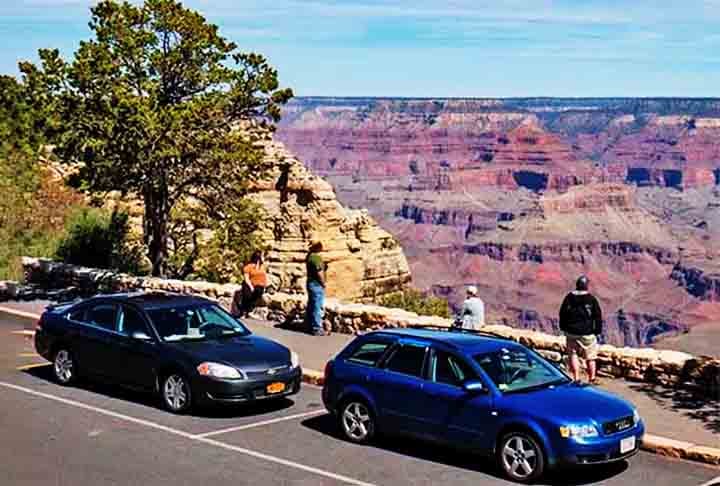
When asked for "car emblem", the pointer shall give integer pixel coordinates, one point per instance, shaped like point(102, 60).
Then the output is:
point(271, 371)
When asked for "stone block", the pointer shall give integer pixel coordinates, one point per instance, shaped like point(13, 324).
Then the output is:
point(665, 446)
point(708, 455)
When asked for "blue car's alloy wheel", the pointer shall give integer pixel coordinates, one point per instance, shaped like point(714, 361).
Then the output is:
point(357, 422)
point(520, 457)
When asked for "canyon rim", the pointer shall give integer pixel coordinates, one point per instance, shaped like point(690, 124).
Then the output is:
point(520, 196)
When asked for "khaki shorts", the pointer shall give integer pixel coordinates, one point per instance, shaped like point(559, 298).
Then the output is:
point(585, 347)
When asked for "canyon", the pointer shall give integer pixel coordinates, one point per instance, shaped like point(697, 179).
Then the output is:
point(520, 196)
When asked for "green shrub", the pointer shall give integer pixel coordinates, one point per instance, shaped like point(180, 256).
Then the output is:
point(234, 239)
point(415, 301)
point(98, 239)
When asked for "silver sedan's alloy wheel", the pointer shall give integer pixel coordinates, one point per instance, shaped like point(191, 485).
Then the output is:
point(357, 423)
point(176, 393)
point(520, 457)
point(64, 367)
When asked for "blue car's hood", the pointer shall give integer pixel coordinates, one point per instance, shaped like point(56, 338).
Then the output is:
point(245, 352)
point(569, 404)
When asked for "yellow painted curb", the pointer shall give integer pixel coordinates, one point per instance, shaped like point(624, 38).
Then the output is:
point(19, 313)
point(25, 332)
point(33, 365)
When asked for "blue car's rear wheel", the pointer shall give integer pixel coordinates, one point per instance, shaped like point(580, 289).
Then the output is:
point(521, 457)
point(357, 421)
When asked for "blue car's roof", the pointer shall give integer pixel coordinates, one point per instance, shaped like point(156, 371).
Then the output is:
point(465, 341)
point(154, 300)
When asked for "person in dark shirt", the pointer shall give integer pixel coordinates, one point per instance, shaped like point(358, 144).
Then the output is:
point(315, 288)
point(581, 321)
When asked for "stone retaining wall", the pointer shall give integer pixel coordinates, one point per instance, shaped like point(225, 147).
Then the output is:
point(668, 368)
point(8, 290)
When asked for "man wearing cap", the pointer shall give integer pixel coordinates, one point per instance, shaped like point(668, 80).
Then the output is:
point(472, 314)
point(581, 321)
point(315, 288)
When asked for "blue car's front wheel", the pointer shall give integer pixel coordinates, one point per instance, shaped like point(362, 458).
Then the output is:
point(520, 456)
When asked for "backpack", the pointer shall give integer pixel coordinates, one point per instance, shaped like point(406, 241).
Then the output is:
point(579, 316)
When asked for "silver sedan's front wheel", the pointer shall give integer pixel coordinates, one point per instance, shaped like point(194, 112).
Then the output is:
point(176, 393)
point(520, 457)
point(357, 422)
point(64, 367)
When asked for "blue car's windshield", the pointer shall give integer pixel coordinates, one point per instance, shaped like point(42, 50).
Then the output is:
point(517, 369)
point(195, 322)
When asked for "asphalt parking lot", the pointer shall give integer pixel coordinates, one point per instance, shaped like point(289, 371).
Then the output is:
point(91, 434)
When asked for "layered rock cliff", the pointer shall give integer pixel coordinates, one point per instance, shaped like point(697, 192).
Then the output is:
point(364, 261)
point(535, 143)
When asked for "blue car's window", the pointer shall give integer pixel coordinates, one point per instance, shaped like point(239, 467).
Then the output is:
point(103, 316)
point(448, 369)
point(408, 360)
point(195, 323)
point(369, 353)
point(517, 369)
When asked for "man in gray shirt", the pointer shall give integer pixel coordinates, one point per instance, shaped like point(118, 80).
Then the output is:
point(472, 314)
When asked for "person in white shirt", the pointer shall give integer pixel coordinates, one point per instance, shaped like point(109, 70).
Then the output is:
point(472, 314)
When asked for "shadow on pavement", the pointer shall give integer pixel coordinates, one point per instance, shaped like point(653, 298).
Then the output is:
point(693, 406)
point(153, 401)
point(326, 424)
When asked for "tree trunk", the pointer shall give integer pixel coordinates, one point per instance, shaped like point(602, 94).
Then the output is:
point(156, 229)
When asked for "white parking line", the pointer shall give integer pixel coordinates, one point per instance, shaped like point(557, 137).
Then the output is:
point(186, 435)
point(712, 482)
point(260, 424)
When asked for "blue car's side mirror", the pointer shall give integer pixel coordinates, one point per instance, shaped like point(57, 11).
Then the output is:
point(141, 336)
point(474, 387)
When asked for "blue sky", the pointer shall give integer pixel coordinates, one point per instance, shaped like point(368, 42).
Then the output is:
point(440, 48)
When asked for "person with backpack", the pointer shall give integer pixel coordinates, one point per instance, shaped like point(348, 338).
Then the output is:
point(581, 321)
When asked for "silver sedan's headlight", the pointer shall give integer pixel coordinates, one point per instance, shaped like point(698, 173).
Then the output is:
point(294, 359)
point(578, 431)
point(217, 370)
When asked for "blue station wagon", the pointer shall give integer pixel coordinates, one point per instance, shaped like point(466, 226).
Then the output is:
point(479, 392)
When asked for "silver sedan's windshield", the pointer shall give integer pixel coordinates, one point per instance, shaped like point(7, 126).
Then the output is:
point(195, 322)
point(516, 369)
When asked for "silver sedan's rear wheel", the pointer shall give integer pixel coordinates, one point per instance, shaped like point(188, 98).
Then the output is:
point(64, 368)
point(176, 393)
point(357, 422)
point(521, 457)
